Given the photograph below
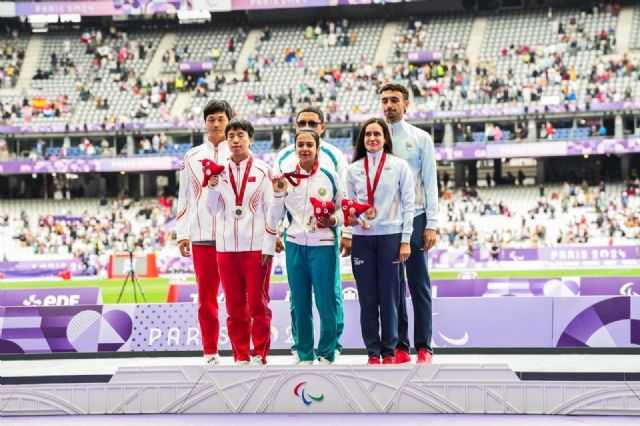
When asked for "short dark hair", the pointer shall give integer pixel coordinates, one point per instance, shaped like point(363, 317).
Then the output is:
point(314, 110)
point(395, 87)
point(217, 105)
point(239, 124)
point(313, 133)
point(360, 151)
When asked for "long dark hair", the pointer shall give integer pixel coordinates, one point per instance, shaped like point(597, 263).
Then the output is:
point(361, 151)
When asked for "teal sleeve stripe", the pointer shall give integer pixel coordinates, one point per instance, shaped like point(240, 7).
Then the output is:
point(285, 155)
point(330, 154)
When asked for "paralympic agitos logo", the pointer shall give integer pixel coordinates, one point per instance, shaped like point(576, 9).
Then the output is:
point(307, 398)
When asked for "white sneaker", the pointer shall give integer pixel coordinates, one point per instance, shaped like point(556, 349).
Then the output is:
point(213, 359)
point(243, 362)
point(304, 362)
point(322, 360)
point(296, 358)
point(257, 360)
point(336, 356)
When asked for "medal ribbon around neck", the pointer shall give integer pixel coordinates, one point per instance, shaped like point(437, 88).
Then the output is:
point(240, 196)
point(371, 190)
point(297, 175)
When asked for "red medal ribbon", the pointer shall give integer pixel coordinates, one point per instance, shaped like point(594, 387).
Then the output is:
point(371, 190)
point(297, 175)
point(240, 196)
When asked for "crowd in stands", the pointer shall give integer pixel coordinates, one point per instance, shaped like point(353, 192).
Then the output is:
point(472, 218)
point(517, 73)
point(574, 214)
point(113, 226)
point(11, 57)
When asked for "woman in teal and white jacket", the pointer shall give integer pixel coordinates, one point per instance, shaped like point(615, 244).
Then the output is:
point(310, 245)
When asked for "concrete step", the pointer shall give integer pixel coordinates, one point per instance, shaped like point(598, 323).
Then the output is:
point(386, 43)
point(155, 66)
point(30, 63)
point(475, 39)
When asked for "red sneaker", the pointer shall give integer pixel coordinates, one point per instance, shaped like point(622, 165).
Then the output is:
point(374, 360)
point(388, 360)
point(402, 357)
point(424, 357)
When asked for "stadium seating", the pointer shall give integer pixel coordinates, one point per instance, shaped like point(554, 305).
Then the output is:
point(477, 218)
point(199, 40)
point(448, 34)
point(283, 85)
point(635, 33)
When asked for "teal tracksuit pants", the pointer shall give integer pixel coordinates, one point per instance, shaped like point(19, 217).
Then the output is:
point(340, 319)
point(312, 270)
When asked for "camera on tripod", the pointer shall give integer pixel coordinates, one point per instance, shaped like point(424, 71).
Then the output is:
point(129, 246)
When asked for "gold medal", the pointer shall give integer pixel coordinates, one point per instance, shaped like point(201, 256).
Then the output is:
point(322, 191)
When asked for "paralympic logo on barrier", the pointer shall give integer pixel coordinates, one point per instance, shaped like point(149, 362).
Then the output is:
point(299, 391)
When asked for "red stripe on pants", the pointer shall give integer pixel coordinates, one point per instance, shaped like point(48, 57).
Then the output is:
point(205, 265)
point(246, 289)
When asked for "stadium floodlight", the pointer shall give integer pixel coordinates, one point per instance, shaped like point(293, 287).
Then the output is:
point(193, 16)
point(39, 23)
point(70, 17)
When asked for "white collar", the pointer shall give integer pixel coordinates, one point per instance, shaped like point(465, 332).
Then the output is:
point(375, 155)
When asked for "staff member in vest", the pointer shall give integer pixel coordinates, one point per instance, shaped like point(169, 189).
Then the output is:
point(384, 181)
point(332, 159)
point(196, 228)
point(240, 200)
point(416, 147)
point(312, 258)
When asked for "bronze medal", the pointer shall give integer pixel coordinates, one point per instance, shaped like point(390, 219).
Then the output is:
point(371, 213)
point(311, 224)
point(238, 212)
point(280, 186)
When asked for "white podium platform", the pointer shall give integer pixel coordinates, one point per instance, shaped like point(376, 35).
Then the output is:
point(438, 388)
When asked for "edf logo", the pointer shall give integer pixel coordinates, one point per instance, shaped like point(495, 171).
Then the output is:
point(52, 300)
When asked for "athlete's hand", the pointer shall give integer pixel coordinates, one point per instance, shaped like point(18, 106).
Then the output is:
point(279, 245)
point(405, 252)
point(185, 248)
point(213, 181)
point(345, 247)
point(327, 222)
point(266, 259)
point(429, 237)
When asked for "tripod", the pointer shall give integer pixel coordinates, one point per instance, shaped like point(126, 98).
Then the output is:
point(131, 276)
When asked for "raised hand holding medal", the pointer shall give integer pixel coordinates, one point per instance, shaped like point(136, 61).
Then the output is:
point(279, 184)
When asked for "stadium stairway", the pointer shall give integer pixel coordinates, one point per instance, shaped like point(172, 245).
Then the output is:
point(623, 32)
point(182, 102)
point(386, 43)
point(475, 39)
point(248, 47)
point(155, 66)
point(30, 64)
